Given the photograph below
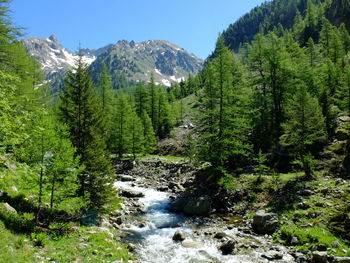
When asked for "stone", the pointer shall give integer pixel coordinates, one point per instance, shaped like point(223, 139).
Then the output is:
point(272, 255)
point(9, 209)
point(319, 257)
point(220, 235)
point(130, 247)
point(200, 206)
point(192, 244)
point(179, 236)
point(265, 223)
point(131, 194)
point(228, 247)
point(125, 178)
point(341, 260)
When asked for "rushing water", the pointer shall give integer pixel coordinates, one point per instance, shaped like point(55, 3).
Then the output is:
point(153, 242)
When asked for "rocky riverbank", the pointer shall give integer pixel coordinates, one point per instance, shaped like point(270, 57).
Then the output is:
point(229, 234)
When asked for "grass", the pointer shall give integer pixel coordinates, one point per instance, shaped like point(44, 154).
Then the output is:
point(82, 245)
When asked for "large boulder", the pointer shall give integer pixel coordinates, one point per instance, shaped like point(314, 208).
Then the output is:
point(200, 206)
point(192, 206)
point(272, 255)
point(131, 194)
point(265, 223)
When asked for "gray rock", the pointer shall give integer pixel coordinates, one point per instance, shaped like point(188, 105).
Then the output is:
point(265, 223)
point(220, 235)
point(319, 257)
point(179, 236)
point(272, 255)
point(228, 247)
point(9, 209)
point(342, 259)
point(131, 194)
point(200, 206)
point(125, 178)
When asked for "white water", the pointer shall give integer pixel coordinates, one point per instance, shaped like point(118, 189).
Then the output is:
point(154, 242)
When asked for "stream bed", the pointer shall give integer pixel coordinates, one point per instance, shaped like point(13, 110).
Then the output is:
point(151, 233)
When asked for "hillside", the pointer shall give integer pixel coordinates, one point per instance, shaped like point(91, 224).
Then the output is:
point(274, 13)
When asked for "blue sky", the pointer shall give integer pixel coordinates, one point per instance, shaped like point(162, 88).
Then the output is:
point(191, 24)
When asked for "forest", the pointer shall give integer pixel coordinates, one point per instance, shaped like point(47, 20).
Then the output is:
point(271, 102)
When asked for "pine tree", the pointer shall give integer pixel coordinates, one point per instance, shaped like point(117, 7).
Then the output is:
point(304, 126)
point(137, 135)
point(81, 112)
point(150, 139)
point(121, 138)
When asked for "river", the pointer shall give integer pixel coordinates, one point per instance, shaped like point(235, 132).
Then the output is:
point(153, 239)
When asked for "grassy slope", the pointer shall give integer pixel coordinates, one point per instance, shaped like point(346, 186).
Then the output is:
point(311, 211)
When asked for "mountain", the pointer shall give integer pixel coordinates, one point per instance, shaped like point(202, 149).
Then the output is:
point(55, 60)
point(127, 62)
point(284, 13)
point(135, 62)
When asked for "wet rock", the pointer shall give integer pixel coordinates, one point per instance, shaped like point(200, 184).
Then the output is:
point(319, 257)
point(200, 206)
point(341, 260)
point(228, 247)
point(192, 244)
point(265, 223)
point(9, 209)
point(131, 194)
point(179, 236)
point(220, 235)
point(125, 178)
point(272, 255)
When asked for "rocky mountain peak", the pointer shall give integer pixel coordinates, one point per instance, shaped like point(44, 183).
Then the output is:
point(53, 38)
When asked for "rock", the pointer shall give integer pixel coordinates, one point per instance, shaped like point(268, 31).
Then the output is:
point(105, 223)
point(344, 118)
point(341, 260)
point(9, 209)
point(14, 188)
point(200, 206)
point(179, 236)
point(220, 235)
point(272, 255)
point(125, 178)
point(192, 244)
point(228, 247)
point(319, 257)
point(265, 223)
point(294, 241)
point(131, 194)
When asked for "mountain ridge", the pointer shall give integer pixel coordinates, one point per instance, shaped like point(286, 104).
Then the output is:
point(127, 62)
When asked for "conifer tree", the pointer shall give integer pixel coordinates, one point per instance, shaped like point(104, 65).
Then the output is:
point(81, 112)
point(304, 126)
point(150, 139)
